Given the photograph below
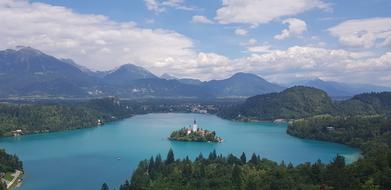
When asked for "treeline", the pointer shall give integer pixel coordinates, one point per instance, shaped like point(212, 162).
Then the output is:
point(366, 132)
point(301, 102)
point(253, 173)
point(9, 163)
point(47, 118)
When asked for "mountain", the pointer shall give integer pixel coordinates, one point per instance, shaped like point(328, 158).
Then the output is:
point(29, 72)
point(295, 102)
point(190, 81)
point(337, 89)
point(167, 77)
point(127, 74)
point(240, 85)
point(159, 88)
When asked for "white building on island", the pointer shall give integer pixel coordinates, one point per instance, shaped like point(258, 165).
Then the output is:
point(195, 127)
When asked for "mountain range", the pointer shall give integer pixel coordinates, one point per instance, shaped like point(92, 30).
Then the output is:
point(341, 90)
point(27, 72)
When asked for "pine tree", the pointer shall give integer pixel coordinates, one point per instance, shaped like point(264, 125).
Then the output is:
point(236, 177)
point(105, 186)
point(212, 155)
point(158, 162)
point(151, 165)
point(170, 157)
point(254, 159)
point(243, 158)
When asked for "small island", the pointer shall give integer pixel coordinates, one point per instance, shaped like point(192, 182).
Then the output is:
point(195, 134)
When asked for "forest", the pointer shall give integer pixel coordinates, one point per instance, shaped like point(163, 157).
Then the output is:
point(8, 163)
point(33, 118)
point(372, 172)
point(302, 102)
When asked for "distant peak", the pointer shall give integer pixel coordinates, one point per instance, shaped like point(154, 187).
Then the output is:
point(130, 66)
point(26, 49)
point(168, 76)
point(244, 75)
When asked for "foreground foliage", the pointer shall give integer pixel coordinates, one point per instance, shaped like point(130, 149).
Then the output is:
point(231, 172)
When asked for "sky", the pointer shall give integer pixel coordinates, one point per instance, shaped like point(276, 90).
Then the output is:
point(280, 40)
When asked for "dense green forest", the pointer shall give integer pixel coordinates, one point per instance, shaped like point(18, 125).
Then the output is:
point(47, 118)
point(301, 102)
point(252, 173)
point(366, 132)
point(9, 163)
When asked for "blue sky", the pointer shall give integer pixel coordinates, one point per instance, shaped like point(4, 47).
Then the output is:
point(280, 40)
point(221, 38)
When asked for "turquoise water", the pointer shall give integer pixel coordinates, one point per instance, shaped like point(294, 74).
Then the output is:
point(84, 159)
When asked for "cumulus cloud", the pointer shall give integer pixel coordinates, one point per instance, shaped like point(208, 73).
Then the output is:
point(250, 42)
point(241, 32)
point(201, 19)
point(298, 62)
point(260, 49)
point(296, 27)
point(160, 6)
point(99, 43)
point(94, 41)
point(256, 12)
point(153, 5)
point(365, 33)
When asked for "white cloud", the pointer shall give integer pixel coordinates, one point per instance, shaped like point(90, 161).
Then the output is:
point(296, 27)
point(91, 40)
point(99, 43)
point(259, 49)
point(161, 5)
point(153, 5)
point(297, 63)
point(255, 12)
point(241, 32)
point(250, 42)
point(201, 19)
point(365, 33)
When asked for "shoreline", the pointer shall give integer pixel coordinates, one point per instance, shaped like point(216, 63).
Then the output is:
point(16, 180)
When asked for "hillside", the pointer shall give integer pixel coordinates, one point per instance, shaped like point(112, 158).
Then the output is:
point(295, 102)
point(301, 102)
point(49, 118)
point(29, 72)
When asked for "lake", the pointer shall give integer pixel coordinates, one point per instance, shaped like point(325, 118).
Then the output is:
point(84, 159)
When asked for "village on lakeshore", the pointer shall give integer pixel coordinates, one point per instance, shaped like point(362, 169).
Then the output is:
point(196, 134)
